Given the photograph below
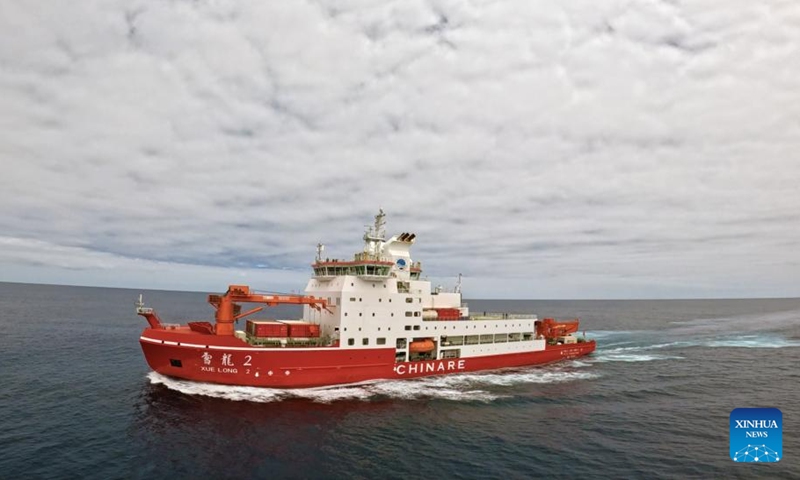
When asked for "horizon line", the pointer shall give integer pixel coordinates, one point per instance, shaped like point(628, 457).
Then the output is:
point(468, 299)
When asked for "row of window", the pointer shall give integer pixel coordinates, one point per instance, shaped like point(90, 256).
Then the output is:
point(408, 314)
point(360, 299)
point(365, 341)
point(487, 338)
point(342, 270)
point(458, 340)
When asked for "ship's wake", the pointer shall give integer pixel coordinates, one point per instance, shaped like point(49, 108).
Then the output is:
point(469, 387)
point(764, 331)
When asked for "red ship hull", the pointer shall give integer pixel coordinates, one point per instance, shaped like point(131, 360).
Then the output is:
point(228, 360)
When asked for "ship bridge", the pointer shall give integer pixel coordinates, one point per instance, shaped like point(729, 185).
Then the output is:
point(380, 259)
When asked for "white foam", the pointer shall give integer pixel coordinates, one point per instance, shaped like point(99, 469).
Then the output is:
point(753, 341)
point(469, 387)
point(631, 357)
point(579, 364)
point(611, 333)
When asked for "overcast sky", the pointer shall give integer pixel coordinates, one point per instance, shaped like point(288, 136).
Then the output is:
point(544, 149)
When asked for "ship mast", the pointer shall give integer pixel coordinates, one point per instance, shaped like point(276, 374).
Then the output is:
point(375, 234)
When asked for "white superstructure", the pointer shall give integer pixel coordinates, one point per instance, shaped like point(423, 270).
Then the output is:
point(378, 299)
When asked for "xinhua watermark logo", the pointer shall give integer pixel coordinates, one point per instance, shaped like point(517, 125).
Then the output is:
point(756, 435)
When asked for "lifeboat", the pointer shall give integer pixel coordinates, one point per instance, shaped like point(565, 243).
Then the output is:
point(421, 346)
point(550, 328)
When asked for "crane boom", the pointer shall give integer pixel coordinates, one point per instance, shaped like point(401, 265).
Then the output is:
point(228, 309)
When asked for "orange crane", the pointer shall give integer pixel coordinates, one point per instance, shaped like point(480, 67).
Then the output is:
point(228, 310)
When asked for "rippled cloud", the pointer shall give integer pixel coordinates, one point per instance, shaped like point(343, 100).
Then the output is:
point(622, 149)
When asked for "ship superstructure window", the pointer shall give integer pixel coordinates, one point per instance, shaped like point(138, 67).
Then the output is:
point(409, 314)
point(381, 341)
point(365, 341)
point(472, 339)
point(401, 343)
point(351, 341)
point(408, 327)
point(409, 300)
point(352, 299)
point(487, 338)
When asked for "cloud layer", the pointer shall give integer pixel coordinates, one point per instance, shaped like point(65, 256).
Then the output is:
point(623, 149)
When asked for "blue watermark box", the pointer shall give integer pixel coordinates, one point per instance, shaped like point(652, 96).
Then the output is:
point(756, 435)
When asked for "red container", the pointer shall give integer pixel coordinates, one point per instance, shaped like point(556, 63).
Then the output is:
point(448, 313)
point(267, 328)
point(303, 329)
point(313, 329)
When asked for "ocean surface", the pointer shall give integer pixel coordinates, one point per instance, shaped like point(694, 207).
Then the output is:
point(77, 399)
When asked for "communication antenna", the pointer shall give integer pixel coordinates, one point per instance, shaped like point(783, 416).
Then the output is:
point(320, 249)
point(458, 285)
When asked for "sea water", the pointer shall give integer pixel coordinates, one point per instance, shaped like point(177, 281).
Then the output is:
point(77, 399)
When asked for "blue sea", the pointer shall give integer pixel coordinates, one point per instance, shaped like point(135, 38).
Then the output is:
point(77, 399)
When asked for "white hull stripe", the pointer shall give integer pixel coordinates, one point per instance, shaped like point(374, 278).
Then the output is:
point(245, 349)
point(305, 349)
